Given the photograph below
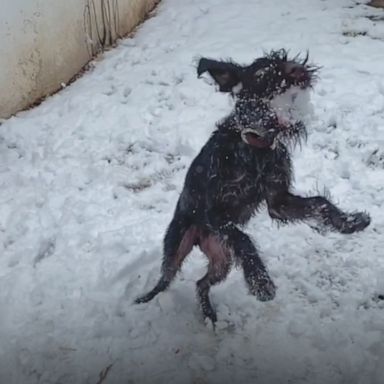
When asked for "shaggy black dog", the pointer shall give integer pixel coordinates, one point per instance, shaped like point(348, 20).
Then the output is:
point(245, 162)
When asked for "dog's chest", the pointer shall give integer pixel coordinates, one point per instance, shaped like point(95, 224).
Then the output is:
point(240, 186)
point(249, 173)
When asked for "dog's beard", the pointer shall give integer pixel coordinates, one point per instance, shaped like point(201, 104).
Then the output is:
point(295, 134)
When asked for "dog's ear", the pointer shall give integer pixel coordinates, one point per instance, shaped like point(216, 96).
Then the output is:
point(226, 75)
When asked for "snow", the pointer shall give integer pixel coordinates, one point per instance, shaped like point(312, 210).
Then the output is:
point(89, 180)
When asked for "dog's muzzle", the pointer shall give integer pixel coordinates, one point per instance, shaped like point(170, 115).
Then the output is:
point(251, 137)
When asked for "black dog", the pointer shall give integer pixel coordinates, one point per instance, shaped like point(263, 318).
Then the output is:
point(245, 162)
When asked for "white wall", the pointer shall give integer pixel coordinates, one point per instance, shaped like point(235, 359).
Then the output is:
point(43, 43)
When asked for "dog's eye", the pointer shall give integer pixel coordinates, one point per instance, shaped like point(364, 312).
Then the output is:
point(295, 71)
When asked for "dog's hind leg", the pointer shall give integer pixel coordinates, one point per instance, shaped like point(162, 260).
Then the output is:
point(179, 240)
point(220, 260)
point(221, 248)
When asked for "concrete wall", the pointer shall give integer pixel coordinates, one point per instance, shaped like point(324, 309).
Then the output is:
point(46, 42)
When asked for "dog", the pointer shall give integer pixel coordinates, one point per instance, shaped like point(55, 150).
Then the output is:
point(246, 162)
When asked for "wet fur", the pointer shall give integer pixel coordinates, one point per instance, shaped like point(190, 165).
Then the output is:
point(229, 180)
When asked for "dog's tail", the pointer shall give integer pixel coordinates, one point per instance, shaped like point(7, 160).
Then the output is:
point(179, 240)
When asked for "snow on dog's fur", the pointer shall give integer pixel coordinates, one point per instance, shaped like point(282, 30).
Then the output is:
point(246, 162)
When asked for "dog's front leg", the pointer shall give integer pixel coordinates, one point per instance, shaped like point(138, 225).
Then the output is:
point(256, 275)
point(242, 248)
point(286, 207)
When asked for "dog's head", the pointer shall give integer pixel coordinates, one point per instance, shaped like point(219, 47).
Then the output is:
point(266, 77)
point(262, 87)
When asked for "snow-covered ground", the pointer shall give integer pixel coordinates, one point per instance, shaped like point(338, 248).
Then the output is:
point(89, 181)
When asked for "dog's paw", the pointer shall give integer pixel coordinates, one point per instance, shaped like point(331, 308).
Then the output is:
point(266, 292)
point(210, 316)
point(355, 222)
point(264, 289)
